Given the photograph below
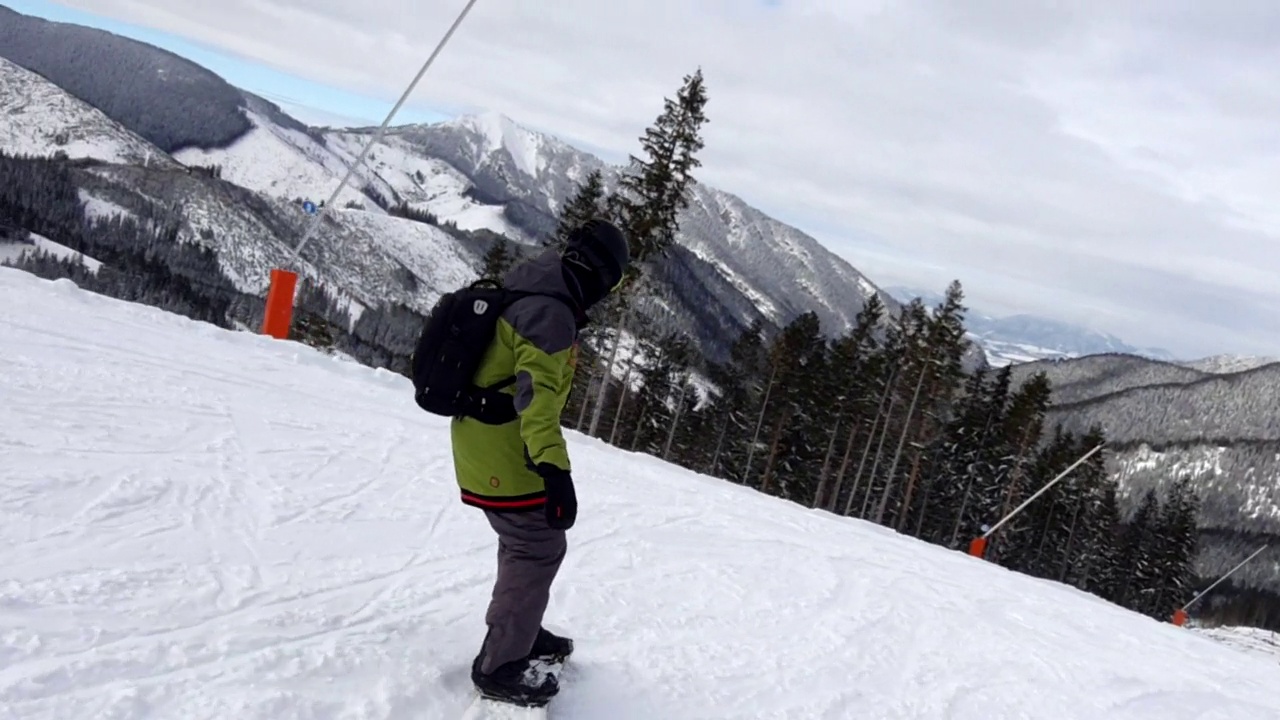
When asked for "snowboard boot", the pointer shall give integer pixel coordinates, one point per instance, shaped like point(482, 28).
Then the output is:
point(516, 682)
point(548, 647)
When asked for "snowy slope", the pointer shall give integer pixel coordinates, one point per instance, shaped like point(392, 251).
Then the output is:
point(198, 523)
point(405, 175)
point(286, 162)
point(281, 162)
point(1263, 643)
point(40, 118)
point(14, 250)
point(504, 159)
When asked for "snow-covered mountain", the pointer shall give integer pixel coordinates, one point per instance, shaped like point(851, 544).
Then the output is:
point(732, 264)
point(366, 257)
point(1026, 338)
point(486, 171)
point(1227, 364)
point(201, 523)
point(40, 118)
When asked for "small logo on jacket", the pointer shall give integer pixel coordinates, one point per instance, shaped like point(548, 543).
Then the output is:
point(480, 306)
point(494, 481)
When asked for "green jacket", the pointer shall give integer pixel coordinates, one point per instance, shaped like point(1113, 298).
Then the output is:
point(536, 341)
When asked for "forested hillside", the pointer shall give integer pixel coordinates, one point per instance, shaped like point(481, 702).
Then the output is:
point(168, 100)
point(1091, 376)
point(1216, 431)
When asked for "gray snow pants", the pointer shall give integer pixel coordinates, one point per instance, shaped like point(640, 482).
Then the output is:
point(529, 556)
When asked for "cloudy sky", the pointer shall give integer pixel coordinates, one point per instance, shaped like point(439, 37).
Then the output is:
point(1112, 165)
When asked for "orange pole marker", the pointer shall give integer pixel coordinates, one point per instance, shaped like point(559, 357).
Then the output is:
point(279, 312)
point(978, 547)
point(1180, 617)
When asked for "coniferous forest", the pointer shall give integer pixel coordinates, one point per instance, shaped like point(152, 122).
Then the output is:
point(882, 422)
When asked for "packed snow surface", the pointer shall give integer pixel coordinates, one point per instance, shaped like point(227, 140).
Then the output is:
point(198, 523)
point(1257, 641)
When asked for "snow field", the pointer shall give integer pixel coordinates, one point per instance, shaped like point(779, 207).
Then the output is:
point(200, 523)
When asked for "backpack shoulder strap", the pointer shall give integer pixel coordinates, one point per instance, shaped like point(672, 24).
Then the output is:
point(511, 296)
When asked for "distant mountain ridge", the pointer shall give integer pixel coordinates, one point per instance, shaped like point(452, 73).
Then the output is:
point(1221, 364)
point(1025, 338)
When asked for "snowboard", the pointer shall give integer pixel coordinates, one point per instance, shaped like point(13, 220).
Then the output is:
point(483, 707)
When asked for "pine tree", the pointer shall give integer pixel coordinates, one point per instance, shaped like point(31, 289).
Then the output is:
point(1178, 539)
point(940, 377)
point(586, 204)
point(852, 363)
point(958, 448)
point(1137, 559)
point(1089, 527)
point(498, 260)
point(652, 193)
point(796, 414)
point(654, 190)
point(1100, 567)
point(740, 383)
point(1039, 551)
point(1021, 431)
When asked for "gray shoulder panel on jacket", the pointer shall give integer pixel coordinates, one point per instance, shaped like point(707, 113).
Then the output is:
point(544, 321)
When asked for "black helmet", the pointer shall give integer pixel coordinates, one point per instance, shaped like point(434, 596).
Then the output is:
point(602, 247)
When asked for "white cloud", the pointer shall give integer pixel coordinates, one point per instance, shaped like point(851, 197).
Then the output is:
point(1107, 165)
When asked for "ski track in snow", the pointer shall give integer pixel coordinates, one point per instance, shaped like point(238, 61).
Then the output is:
point(198, 523)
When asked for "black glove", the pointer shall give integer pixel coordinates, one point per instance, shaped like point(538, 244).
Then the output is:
point(562, 503)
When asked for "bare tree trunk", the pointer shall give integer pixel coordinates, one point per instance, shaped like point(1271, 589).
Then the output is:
point(931, 477)
point(826, 466)
point(1044, 534)
point(905, 511)
point(724, 430)
point(875, 464)
point(622, 400)
point(635, 436)
point(675, 421)
point(834, 499)
point(1071, 539)
point(897, 453)
point(773, 453)
point(964, 504)
point(607, 373)
point(871, 436)
point(586, 400)
point(755, 438)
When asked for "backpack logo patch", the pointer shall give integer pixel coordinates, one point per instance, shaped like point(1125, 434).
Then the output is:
point(480, 306)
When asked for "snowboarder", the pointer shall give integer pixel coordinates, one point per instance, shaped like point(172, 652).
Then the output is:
point(519, 472)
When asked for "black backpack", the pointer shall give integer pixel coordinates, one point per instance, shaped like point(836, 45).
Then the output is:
point(454, 339)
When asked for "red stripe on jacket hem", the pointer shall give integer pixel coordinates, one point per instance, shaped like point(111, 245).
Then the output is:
point(504, 504)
